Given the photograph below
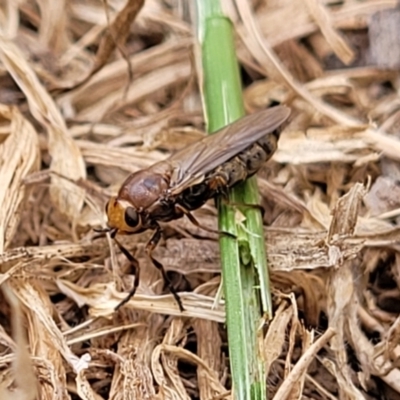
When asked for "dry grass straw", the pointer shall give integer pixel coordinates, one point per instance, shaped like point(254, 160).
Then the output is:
point(88, 96)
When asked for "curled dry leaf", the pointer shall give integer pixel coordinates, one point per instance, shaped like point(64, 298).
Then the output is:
point(20, 152)
point(184, 355)
point(53, 23)
point(209, 349)
point(275, 337)
point(302, 364)
point(321, 16)
point(23, 373)
point(343, 296)
point(53, 344)
point(346, 213)
point(66, 158)
point(170, 381)
point(133, 374)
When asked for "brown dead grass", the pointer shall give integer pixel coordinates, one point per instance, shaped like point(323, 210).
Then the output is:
point(87, 96)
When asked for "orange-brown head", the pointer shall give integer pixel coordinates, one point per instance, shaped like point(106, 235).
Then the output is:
point(123, 217)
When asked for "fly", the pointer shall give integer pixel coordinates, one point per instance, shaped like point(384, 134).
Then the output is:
point(185, 181)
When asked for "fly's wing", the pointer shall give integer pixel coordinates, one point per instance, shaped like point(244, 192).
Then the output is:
point(191, 163)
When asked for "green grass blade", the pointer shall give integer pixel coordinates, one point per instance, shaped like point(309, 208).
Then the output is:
point(245, 273)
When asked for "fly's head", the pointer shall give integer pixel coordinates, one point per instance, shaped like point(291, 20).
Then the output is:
point(123, 217)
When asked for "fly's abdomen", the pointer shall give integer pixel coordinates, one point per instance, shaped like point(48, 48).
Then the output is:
point(255, 156)
point(230, 173)
point(245, 164)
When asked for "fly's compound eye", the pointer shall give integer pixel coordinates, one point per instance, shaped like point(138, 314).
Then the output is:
point(131, 217)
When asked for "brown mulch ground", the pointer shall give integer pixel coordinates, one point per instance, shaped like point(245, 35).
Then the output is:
point(90, 92)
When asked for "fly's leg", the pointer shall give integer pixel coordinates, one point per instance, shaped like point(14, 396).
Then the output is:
point(194, 221)
point(101, 230)
point(136, 268)
point(151, 245)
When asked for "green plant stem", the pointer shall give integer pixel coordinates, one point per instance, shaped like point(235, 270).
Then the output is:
point(245, 272)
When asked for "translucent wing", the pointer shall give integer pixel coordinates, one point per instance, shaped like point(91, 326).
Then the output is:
point(191, 163)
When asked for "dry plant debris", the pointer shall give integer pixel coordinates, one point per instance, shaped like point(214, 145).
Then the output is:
point(91, 91)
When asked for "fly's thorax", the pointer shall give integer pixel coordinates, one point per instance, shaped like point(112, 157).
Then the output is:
point(144, 188)
point(130, 211)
